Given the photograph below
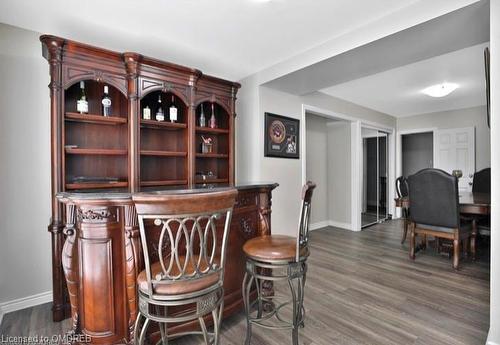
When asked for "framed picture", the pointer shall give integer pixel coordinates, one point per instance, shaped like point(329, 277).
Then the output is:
point(281, 136)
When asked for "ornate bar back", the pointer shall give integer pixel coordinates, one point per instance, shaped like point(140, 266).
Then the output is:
point(278, 258)
point(189, 271)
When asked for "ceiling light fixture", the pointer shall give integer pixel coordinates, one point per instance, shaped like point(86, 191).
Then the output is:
point(440, 90)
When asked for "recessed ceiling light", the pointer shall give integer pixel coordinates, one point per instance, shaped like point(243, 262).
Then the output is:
point(440, 90)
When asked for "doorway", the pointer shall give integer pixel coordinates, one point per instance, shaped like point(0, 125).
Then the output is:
point(375, 190)
point(328, 164)
point(417, 152)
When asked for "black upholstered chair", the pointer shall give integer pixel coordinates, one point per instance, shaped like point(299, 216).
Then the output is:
point(482, 181)
point(482, 184)
point(402, 192)
point(435, 210)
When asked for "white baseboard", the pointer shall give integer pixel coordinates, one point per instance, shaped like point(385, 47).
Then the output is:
point(319, 225)
point(25, 302)
point(341, 225)
point(325, 223)
point(490, 342)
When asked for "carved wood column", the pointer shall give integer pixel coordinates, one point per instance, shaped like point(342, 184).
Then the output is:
point(191, 121)
point(52, 51)
point(232, 137)
point(134, 264)
point(101, 260)
point(132, 66)
point(70, 264)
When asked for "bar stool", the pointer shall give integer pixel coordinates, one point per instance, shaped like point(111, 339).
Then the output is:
point(278, 258)
point(180, 231)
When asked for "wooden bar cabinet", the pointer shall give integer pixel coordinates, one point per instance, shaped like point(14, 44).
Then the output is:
point(99, 161)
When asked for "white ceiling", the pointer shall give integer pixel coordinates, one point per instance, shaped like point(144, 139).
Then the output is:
point(459, 29)
point(227, 38)
point(397, 91)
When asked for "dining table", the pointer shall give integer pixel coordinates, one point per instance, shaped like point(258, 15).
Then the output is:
point(472, 205)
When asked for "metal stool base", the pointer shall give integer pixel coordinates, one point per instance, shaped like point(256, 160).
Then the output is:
point(210, 303)
point(267, 308)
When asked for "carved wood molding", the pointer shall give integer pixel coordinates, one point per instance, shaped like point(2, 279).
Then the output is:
point(225, 102)
point(73, 74)
point(265, 204)
point(245, 199)
point(96, 215)
point(148, 85)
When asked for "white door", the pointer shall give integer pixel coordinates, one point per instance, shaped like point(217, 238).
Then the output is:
point(455, 151)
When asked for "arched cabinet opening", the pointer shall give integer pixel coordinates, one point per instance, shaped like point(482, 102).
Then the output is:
point(212, 144)
point(95, 137)
point(163, 141)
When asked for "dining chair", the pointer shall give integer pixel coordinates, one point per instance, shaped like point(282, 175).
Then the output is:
point(482, 181)
point(278, 258)
point(435, 210)
point(402, 192)
point(181, 230)
point(482, 184)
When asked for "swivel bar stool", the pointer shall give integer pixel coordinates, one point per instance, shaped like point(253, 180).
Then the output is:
point(278, 258)
point(184, 283)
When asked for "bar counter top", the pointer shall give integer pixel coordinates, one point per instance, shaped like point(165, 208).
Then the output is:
point(124, 196)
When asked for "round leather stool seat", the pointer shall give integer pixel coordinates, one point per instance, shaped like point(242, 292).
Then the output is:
point(178, 287)
point(273, 248)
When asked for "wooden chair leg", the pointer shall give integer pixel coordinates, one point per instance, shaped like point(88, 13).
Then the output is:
point(412, 242)
point(405, 231)
point(456, 252)
point(423, 242)
point(473, 239)
point(473, 246)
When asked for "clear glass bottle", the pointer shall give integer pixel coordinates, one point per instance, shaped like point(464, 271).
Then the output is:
point(203, 120)
point(213, 121)
point(160, 116)
point(173, 111)
point(146, 113)
point(106, 102)
point(82, 105)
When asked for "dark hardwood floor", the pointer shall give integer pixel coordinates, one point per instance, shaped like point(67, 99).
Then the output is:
point(361, 289)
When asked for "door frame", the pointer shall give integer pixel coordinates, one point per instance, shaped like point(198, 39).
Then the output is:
point(356, 148)
point(399, 151)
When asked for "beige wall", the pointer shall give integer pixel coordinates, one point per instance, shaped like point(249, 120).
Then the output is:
point(339, 172)
point(287, 172)
point(317, 165)
point(25, 259)
point(470, 117)
point(328, 164)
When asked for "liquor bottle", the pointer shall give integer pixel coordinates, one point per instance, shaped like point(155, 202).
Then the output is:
point(203, 120)
point(146, 113)
point(213, 123)
point(160, 116)
point(106, 102)
point(173, 111)
point(82, 105)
